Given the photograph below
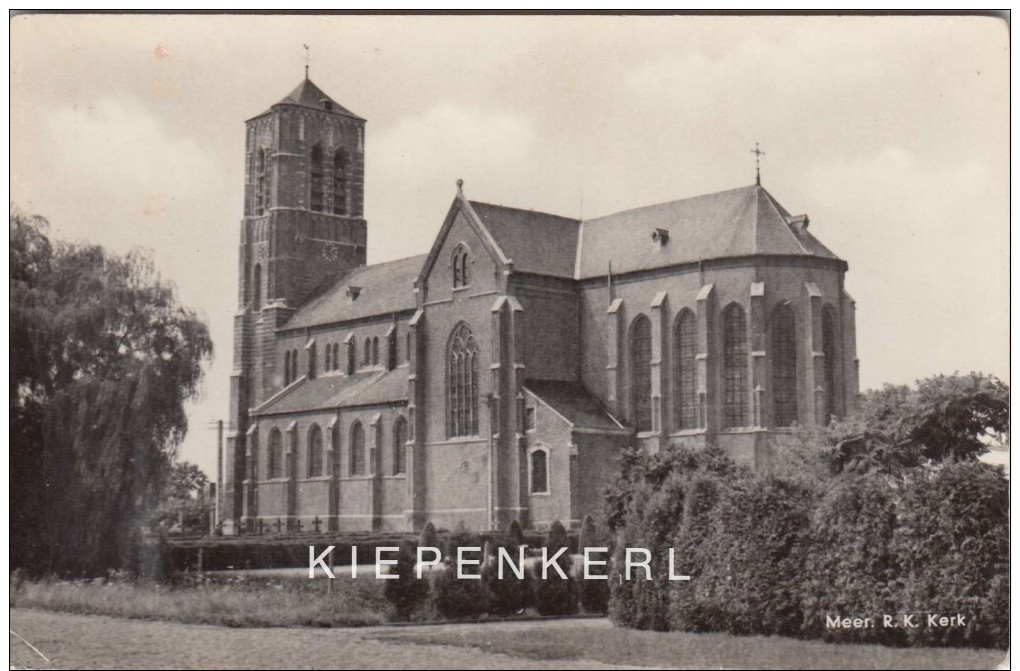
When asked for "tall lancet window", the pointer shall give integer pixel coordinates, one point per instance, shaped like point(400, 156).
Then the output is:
point(256, 287)
point(462, 383)
point(829, 363)
point(340, 168)
point(735, 390)
point(316, 174)
point(784, 367)
point(275, 469)
point(357, 462)
point(314, 451)
point(261, 182)
point(685, 374)
point(641, 373)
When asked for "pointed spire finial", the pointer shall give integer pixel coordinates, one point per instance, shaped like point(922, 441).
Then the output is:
point(308, 59)
point(758, 153)
point(460, 187)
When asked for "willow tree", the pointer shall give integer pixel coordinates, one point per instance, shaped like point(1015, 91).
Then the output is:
point(103, 358)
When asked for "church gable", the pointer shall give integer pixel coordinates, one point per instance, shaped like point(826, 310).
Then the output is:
point(464, 254)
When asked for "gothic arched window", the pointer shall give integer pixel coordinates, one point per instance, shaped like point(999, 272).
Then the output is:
point(399, 447)
point(641, 373)
point(734, 368)
point(375, 351)
point(336, 356)
point(685, 374)
point(784, 367)
point(316, 179)
point(460, 266)
point(357, 449)
point(256, 287)
point(351, 356)
point(286, 368)
point(314, 451)
point(328, 363)
point(311, 362)
point(539, 468)
point(261, 182)
point(275, 454)
point(340, 182)
point(462, 383)
point(829, 362)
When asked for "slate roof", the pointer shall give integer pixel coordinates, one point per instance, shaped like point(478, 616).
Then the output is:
point(307, 94)
point(572, 401)
point(330, 391)
point(738, 222)
point(384, 288)
point(535, 241)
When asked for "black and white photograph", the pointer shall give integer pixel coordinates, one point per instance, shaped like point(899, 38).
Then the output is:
point(509, 340)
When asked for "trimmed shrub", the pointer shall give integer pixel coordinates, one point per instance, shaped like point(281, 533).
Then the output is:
point(554, 594)
point(594, 594)
point(509, 595)
point(428, 537)
point(852, 567)
point(459, 597)
point(953, 544)
point(407, 592)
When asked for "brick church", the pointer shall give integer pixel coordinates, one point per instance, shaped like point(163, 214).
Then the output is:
point(499, 376)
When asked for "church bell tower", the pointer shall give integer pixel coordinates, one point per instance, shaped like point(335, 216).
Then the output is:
point(303, 224)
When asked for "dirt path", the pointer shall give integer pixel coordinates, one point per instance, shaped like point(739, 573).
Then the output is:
point(92, 641)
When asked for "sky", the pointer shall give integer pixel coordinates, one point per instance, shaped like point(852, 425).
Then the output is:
point(891, 133)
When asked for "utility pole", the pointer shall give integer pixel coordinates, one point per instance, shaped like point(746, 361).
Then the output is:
point(219, 475)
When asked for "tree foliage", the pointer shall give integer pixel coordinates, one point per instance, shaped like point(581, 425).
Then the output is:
point(946, 418)
point(102, 360)
point(183, 498)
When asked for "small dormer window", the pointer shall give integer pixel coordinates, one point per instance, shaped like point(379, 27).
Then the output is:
point(327, 105)
point(660, 236)
point(353, 293)
point(800, 222)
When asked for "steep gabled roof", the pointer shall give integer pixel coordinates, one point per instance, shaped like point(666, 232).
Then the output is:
point(382, 288)
point(328, 392)
point(536, 242)
point(307, 94)
point(572, 401)
point(739, 222)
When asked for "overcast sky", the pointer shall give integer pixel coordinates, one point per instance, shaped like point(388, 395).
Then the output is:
point(890, 133)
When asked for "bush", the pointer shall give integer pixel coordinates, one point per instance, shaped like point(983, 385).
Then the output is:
point(407, 591)
point(953, 544)
point(554, 594)
point(852, 566)
point(428, 537)
point(459, 597)
point(509, 595)
point(594, 594)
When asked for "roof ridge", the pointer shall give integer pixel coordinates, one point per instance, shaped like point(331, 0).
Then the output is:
point(521, 209)
point(671, 202)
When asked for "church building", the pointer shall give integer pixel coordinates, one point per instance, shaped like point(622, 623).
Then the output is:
point(500, 375)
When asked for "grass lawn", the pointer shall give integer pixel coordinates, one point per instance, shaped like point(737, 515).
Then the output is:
point(612, 645)
point(229, 601)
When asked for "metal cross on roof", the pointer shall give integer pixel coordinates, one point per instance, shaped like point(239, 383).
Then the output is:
point(308, 59)
point(758, 153)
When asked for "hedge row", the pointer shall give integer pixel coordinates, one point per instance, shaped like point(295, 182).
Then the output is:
point(771, 555)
